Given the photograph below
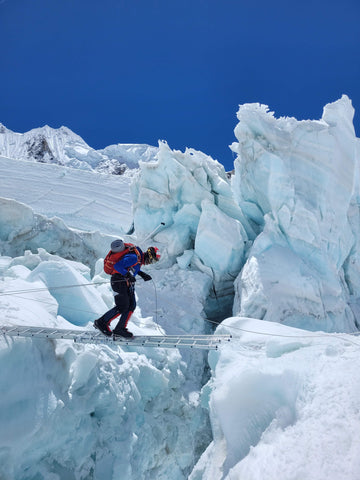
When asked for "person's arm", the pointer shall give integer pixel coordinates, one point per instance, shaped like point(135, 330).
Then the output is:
point(146, 277)
point(126, 263)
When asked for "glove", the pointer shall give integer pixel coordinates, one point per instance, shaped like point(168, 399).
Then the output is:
point(145, 276)
point(130, 278)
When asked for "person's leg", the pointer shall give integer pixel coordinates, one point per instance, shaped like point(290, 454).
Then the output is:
point(103, 323)
point(109, 316)
point(132, 304)
point(125, 316)
point(122, 302)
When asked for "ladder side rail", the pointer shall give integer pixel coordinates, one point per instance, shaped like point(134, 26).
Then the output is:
point(155, 338)
point(141, 343)
point(5, 329)
point(83, 336)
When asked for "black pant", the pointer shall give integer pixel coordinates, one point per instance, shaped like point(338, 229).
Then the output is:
point(125, 302)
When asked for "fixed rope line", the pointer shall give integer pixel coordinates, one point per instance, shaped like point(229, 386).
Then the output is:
point(18, 294)
point(156, 310)
point(319, 335)
point(334, 335)
point(57, 287)
point(30, 290)
point(64, 307)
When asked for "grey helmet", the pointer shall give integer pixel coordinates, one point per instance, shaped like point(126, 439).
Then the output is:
point(117, 246)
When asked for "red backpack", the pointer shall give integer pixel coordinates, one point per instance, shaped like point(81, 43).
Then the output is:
point(112, 258)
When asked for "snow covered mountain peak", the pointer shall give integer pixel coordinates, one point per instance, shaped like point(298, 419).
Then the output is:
point(62, 146)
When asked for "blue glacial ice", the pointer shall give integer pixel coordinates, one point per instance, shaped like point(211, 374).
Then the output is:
point(273, 252)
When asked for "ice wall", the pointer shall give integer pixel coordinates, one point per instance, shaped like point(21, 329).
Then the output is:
point(92, 412)
point(297, 183)
point(70, 411)
point(204, 228)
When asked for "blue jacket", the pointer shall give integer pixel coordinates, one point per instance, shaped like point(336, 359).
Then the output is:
point(129, 263)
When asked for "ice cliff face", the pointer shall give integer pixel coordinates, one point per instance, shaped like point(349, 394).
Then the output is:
point(297, 182)
point(288, 225)
point(283, 401)
point(205, 228)
point(63, 147)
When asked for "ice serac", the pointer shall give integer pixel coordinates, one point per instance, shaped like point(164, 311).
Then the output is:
point(77, 411)
point(204, 228)
point(297, 181)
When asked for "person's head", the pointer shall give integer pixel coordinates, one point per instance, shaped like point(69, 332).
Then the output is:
point(151, 255)
point(117, 246)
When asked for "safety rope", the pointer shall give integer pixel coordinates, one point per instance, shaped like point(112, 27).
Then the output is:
point(232, 327)
point(58, 287)
point(156, 309)
point(18, 294)
point(319, 335)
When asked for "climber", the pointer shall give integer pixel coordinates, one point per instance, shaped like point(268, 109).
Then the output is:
point(123, 263)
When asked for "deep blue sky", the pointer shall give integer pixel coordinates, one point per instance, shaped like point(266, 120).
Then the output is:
point(136, 71)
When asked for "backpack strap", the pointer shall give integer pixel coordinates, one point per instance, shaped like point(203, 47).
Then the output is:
point(112, 258)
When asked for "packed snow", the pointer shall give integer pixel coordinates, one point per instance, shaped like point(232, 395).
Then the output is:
point(84, 200)
point(271, 253)
point(284, 404)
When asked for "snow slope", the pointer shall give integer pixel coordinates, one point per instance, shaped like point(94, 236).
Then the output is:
point(279, 244)
point(84, 200)
point(284, 404)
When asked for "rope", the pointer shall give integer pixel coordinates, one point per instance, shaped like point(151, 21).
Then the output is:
point(319, 335)
point(156, 309)
point(18, 294)
point(21, 292)
point(30, 290)
point(42, 289)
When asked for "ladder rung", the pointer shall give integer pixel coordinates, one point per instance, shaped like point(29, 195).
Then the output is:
point(204, 342)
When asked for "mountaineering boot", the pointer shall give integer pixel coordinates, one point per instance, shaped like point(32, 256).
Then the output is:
point(122, 332)
point(103, 329)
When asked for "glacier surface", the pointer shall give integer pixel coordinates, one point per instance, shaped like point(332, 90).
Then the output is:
point(273, 253)
point(72, 411)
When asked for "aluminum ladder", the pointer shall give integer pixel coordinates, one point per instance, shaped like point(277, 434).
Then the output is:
point(203, 342)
